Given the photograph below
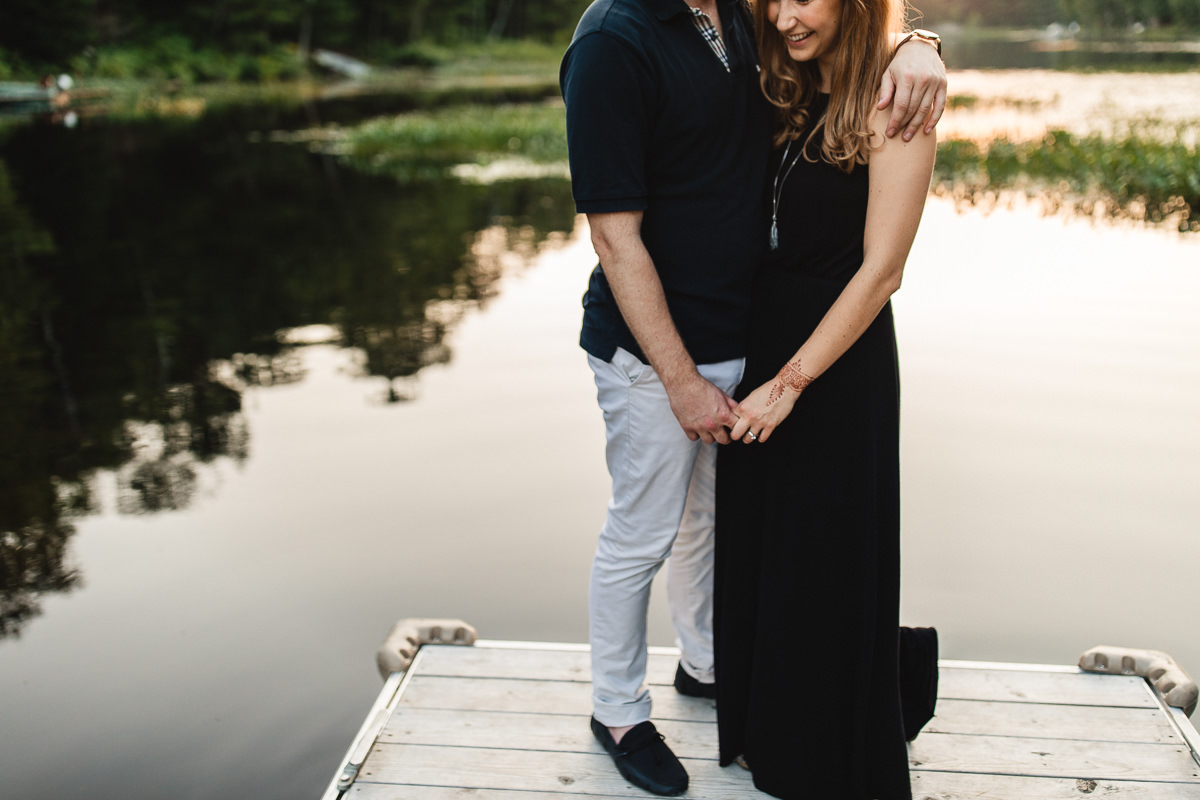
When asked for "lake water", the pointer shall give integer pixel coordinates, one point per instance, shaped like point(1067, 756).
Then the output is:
point(257, 407)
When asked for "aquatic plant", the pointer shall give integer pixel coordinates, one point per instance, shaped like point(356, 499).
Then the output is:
point(462, 134)
point(974, 102)
point(1144, 170)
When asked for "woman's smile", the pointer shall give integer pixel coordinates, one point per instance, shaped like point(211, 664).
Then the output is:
point(810, 28)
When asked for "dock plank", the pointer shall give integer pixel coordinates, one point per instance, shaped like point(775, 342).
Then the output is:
point(998, 755)
point(1064, 688)
point(926, 786)
point(1054, 758)
point(697, 739)
point(959, 786)
point(479, 769)
point(377, 791)
point(550, 665)
point(1058, 688)
point(539, 697)
point(1094, 723)
point(531, 770)
point(561, 733)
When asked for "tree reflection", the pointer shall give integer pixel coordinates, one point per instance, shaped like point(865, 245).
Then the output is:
point(195, 423)
point(31, 564)
point(146, 271)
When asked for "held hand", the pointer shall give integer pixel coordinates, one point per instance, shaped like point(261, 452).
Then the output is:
point(763, 411)
point(915, 85)
point(704, 411)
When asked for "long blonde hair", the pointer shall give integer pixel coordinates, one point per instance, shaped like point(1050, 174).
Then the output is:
point(862, 57)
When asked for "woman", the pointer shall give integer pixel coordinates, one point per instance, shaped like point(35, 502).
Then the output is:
point(807, 583)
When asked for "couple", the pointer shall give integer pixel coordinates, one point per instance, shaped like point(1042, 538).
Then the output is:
point(721, 153)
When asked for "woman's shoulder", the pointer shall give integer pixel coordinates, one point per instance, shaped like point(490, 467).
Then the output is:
point(879, 121)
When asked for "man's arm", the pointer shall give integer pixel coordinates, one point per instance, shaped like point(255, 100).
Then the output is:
point(915, 84)
point(704, 411)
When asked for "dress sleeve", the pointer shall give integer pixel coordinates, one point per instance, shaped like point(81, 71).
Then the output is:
point(608, 90)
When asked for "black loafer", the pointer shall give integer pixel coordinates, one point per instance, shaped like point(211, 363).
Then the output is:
point(643, 759)
point(687, 685)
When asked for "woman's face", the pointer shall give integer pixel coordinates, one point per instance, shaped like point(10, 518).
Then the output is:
point(809, 27)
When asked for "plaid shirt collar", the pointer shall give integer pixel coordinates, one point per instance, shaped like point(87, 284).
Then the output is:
point(709, 31)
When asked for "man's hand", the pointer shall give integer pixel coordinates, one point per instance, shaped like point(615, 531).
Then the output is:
point(704, 411)
point(915, 84)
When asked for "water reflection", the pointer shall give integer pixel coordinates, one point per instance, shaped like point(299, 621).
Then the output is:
point(146, 271)
point(32, 564)
point(1034, 50)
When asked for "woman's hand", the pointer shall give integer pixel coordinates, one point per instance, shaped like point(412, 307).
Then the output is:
point(763, 411)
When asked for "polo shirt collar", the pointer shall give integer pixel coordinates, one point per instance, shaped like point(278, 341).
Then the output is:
point(665, 9)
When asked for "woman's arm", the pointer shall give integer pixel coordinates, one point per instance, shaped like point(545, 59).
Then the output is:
point(899, 182)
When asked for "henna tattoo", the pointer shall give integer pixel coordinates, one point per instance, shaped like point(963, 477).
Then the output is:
point(776, 393)
point(790, 377)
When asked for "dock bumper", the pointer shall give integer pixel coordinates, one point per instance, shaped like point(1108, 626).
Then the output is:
point(1162, 672)
point(394, 657)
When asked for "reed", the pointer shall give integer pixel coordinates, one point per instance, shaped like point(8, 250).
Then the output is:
point(461, 134)
point(1144, 170)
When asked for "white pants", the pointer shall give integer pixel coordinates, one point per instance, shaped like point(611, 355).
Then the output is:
point(662, 504)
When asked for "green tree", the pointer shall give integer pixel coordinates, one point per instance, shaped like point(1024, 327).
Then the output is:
point(46, 32)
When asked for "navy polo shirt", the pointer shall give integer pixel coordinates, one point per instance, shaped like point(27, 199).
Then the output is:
point(655, 123)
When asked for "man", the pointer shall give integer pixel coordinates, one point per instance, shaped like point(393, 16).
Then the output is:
point(668, 136)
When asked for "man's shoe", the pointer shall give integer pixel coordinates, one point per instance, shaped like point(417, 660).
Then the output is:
point(687, 685)
point(643, 758)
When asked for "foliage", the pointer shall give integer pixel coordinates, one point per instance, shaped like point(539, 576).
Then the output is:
point(12, 66)
point(1094, 14)
point(536, 132)
point(1143, 170)
point(48, 34)
point(174, 58)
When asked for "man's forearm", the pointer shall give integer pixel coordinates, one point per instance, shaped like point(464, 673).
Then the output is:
point(638, 290)
point(703, 410)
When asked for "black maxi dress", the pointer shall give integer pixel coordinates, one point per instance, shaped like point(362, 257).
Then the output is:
point(807, 527)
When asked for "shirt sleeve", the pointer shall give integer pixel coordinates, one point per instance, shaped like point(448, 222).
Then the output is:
point(607, 89)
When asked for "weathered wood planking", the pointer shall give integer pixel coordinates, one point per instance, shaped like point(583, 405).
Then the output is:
point(1095, 723)
point(926, 786)
point(550, 665)
point(592, 774)
point(1060, 688)
point(549, 697)
point(372, 791)
point(532, 771)
point(1002, 755)
point(511, 723)
point(1100, 723)
point(558, 732)
point(697, 739)
point(961, 786)
point(1053, 758)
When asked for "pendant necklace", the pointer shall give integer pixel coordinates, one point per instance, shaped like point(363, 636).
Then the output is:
point(777, 191)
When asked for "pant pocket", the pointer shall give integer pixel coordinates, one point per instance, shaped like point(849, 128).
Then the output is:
point(627, 365)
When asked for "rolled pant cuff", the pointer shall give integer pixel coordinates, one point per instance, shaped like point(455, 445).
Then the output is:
point(618, 715)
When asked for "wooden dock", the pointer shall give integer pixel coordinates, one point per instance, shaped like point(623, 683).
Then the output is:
point(509, 720)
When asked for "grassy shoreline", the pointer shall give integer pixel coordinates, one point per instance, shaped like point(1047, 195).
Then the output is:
point(1143, 170)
